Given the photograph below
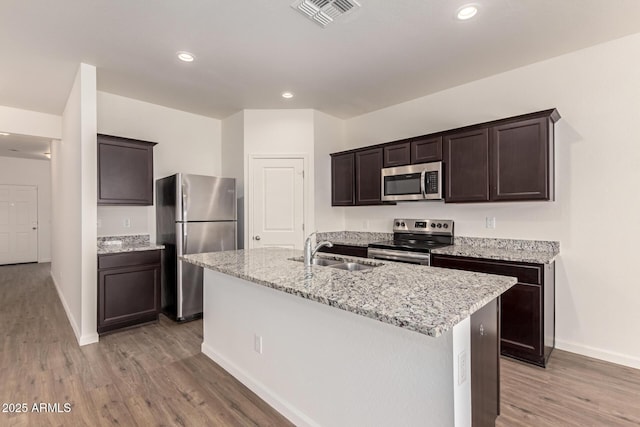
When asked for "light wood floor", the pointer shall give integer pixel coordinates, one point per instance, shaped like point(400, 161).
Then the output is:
point(156, 375)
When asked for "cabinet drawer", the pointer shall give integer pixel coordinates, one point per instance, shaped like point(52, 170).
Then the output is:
point(348, 250)
point(128, 259)
point(532, 274)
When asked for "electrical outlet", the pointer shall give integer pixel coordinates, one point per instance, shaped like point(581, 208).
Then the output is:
point(127, 223)
point(462, 367)
point(99, 223)
point(365, 224)
point(490, 222)
point(257, 343)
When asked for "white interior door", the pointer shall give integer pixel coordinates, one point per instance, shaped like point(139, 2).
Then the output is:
point(18, 224)
point(277, 203)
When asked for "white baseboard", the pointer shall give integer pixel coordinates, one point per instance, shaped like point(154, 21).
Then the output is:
point(82, 339)
point(281, 405)
point(597, 353)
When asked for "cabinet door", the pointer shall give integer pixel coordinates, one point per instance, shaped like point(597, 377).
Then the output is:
point(128, 296)
point(521, 318)
point(466, 162)
point(425, 150)
point(397, 154)
point(522, 310)
point(342, 179)
point(368, 177)
point(348, 250)
point(520, 161)
point(125, 171)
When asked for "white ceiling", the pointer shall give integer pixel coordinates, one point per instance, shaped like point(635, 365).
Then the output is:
point(250, 51)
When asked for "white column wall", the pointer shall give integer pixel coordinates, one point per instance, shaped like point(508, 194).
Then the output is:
point(73, 171)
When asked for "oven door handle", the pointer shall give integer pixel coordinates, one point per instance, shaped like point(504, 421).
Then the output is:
point(423, 186)
point(405, 256)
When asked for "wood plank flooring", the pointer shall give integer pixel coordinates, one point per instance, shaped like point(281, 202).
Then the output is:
point(155, 375)
point(152, 375)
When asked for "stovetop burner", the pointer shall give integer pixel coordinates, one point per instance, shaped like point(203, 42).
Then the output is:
point(418, 235)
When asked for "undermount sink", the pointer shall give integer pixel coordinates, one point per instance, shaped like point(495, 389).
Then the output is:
point(325, 262)
point(339, 264)
point(352, 266)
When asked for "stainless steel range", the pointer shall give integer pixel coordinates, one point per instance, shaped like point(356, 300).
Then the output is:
point(413, 240)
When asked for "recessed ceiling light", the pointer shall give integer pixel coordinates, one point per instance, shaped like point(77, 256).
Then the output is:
point(4, 134)
point(287, 95)
point(467, 12)
point(186, 56)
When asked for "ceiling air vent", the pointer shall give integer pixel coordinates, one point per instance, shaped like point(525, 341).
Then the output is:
point(324, 12)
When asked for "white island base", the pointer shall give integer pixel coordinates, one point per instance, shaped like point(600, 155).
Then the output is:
point(322, 366)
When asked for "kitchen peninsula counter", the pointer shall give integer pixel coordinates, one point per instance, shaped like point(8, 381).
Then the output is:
point(391, 345)
point(424, 299)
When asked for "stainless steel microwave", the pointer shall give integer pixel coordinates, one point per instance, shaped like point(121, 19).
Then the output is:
point(413, 182)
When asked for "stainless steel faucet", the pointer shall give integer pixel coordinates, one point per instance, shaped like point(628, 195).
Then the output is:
point(310, 253)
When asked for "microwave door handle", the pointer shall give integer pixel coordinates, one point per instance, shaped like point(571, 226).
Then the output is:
point(423, 189)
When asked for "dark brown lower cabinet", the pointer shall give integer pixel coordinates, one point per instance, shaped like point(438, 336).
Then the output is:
point(348, 250)
point(128, 289)
point(485, 365)
point(527, 310)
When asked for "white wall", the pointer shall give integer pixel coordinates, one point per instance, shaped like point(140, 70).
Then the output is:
point(287, 132)
point(597, 93)
point(233, 164)
point(14, 171)
point(187, 143)
point(73, 181)
point(328, 138)
point(25, 122)
point(322, 366)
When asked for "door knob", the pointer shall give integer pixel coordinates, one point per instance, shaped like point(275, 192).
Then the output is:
point(257, 237)
point(34, 228)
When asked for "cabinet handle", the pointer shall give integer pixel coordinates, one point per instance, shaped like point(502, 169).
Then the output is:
point(257, 238)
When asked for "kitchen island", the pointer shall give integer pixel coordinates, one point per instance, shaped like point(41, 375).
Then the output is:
point(388, 345)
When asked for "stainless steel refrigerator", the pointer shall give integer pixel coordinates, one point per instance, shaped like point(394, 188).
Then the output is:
point(194, 214)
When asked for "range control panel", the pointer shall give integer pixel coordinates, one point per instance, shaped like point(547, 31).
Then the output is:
point(423, 226)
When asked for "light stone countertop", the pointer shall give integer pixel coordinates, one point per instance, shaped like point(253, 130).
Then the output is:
point(502, 254)
point(427, 300)
point(533, 251)
point(130, 243)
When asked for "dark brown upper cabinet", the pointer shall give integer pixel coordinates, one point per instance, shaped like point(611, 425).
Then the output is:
point(368, 177)
point(343, 179)
point(125, 171)
point(505, 160)
point(521, 157)
point(466, 166)
point(426, 149)
point(397, 154)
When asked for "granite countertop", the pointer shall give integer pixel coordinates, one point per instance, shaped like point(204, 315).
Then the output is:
point(518, 255)
point(132, 243)
point(427, 300)
point(353, 238)
point(533, 251)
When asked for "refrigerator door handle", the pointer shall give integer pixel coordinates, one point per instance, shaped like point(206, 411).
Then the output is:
point(181, 231)
point(184, 203)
